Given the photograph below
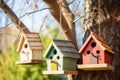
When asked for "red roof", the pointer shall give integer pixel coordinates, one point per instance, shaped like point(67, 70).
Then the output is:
point(99, 41)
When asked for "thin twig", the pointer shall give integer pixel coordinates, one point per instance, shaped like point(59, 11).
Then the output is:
point(25, 15)
point(77, 19)
point(42, 23)
point(6, 1)
point(33, 12)
point(18, 36)
point(21, 10)
point(71, 2)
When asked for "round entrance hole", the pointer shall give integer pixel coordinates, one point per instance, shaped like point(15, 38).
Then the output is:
point(98, 51)
point(88, 52)
point(58, 57)
point(51, 57)
point(25, 46)
point(55, 52)
point(93, 44)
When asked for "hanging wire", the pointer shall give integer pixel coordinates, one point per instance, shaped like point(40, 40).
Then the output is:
point(60, 13)
point(33, 21)
point(99, 17)
point(18, 37)
point(43, 23)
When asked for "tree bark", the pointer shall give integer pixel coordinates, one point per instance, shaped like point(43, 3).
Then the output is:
point(13, 17)
point(69, 17)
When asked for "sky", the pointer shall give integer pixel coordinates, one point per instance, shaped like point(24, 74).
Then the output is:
point(36, 20)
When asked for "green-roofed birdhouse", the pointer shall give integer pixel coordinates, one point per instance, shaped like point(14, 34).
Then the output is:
point(30, 48)
point(61, 58)
point(96, 54)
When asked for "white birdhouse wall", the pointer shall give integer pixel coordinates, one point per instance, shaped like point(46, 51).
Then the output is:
point(57, 57)
point(25, 53)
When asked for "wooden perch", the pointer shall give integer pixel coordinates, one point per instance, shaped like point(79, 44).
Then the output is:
point(13, 17)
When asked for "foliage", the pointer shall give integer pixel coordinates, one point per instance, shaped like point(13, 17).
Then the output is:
point(52, 33)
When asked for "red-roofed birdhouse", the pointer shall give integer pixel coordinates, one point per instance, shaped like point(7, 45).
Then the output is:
point(96, 54)
point(30, 48)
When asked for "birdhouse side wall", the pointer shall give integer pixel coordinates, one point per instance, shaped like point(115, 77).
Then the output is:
point(69, 63)
point(108, 58)
point(37, 55)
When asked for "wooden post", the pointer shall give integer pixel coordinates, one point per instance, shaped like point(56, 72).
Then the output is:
point(69, 77)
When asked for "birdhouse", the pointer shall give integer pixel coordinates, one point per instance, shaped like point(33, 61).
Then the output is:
point(30, 48)
point(96, 54)
point(61, 58)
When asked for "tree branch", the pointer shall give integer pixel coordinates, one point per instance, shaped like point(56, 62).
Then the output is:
point(13, 16)
point(28, 14)
point(55, 11)
point(69, 17)
point(33, 12)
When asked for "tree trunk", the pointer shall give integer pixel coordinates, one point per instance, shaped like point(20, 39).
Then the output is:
point(103, 17)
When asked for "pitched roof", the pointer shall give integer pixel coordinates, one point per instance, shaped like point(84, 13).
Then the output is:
point(99, 41)
point(33, 40)
point(65, 47)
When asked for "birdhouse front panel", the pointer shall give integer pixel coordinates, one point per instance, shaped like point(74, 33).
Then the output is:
point(98, 54)
point(93, 53)
point(85, 53)
point(54, 60)
point(25, 53)
point(54, 65)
